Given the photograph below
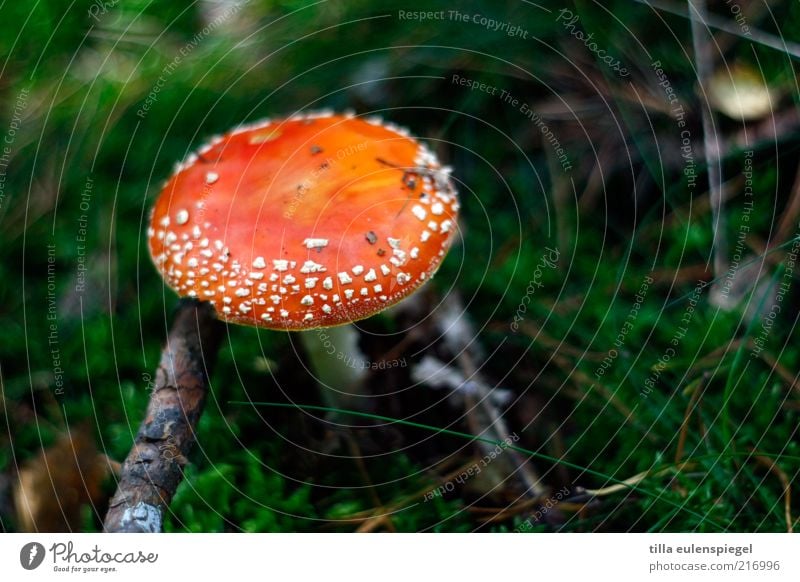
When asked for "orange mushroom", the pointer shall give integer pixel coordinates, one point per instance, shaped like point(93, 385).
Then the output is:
point(312, 221)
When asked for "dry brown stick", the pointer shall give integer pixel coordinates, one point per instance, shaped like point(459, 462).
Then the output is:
point(730, 26)
point(704, 64)
point(154, 467)
point(495, 423)
point(787, 488)
point(790, 213)
point(699, 386)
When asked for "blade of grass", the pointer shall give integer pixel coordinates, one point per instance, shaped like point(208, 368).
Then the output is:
point(727, 393)
point(633, 486)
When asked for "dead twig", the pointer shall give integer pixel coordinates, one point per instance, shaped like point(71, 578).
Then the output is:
point(780, 44)
point(154, 467)
point(358, 459)
point(790, 215)
point(711, 143)
point(787, 488)
point(781, 370)
point(696, 389)
point(483, 416)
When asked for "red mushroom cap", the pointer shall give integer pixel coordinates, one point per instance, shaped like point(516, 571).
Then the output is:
point(312, 221)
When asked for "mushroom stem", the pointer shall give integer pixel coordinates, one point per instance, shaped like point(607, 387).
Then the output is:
point(338, 364)
point(154, 467)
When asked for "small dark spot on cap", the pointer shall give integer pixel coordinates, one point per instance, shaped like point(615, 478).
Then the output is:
point(372, 237)
point(315, 149)
point(381, 252)
point(324, 166)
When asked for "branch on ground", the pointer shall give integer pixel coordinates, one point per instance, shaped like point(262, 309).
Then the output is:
point(154, 467)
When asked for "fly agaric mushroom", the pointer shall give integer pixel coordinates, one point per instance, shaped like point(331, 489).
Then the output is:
point(313, 221)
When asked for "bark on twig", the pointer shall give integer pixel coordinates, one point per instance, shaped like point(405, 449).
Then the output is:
point(154, 467)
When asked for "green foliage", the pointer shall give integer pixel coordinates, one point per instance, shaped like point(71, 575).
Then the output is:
point(239, 495)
